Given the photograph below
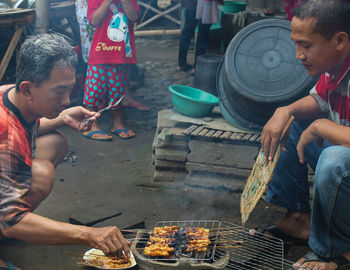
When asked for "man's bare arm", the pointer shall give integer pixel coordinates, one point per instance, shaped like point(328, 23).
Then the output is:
point(36, 229)
point(320, 130)
point(73, 117)
point(304, 109)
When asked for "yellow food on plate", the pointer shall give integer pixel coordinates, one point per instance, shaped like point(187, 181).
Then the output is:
point(97, 258)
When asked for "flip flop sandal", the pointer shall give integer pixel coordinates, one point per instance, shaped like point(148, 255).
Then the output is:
point(125, 130)
point(276, 232)
point(9, 266)
point(92, 133)
point(311, 256)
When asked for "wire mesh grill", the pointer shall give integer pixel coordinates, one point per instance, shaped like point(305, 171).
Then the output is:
point(231, 246)
point(247, 250)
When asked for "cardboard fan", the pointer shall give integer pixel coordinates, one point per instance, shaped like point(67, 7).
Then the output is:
point(259, 178)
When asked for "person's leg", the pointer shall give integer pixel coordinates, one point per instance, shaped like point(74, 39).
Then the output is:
point(51, 149)
point(289, 186)
point(330, 221)
point(330, 218)
point(120, 76)
point(202, 39)
point(186, 36)
point(128, 100)
point(95, 90)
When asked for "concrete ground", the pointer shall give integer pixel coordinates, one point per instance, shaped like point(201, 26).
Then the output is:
point(102, 178)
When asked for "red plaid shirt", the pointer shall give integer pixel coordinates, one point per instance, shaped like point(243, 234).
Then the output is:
point(333, 94)
point(17, 144)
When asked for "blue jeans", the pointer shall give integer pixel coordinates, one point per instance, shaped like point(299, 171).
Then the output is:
point(330, 215)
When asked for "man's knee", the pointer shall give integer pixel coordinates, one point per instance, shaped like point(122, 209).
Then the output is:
point(333, 164)
point(52, 146)
point(43, 178)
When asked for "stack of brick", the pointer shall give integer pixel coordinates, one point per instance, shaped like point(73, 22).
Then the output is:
point(198, 156)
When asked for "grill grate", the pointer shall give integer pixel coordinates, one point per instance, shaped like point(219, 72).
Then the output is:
point(209, 133)
point(232, 246)
point(251, 252)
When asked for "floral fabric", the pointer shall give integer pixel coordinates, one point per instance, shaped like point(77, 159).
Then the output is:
point(289, 6)
point(86, 30)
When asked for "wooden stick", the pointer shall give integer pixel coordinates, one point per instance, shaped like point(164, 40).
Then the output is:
point(232, 241)
point(226, 228)
point(227, 247)
point(136, 230)
point(12, 46)
point(144, 33)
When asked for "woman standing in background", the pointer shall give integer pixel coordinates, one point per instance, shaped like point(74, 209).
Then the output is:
point(203, 14)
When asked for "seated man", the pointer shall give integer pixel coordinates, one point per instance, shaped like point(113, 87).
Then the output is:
point(320, 136)
point(31, 148)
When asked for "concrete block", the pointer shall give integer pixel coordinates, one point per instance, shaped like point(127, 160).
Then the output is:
point(215, 182)
point(222, 154)
point(163, 122)
point(166, 165)
point(177, 133)
point(154, 143)
point(169, 176)
point(235, 173)
point(165, 141)
point(171, 154)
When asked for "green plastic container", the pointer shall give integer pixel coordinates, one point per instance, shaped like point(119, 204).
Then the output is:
point(233, 6)
point(192, 101)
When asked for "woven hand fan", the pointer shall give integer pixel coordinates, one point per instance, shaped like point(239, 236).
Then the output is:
point(259, 178)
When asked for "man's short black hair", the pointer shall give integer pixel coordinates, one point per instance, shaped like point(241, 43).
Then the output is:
point(332, 15)
point(39, 54)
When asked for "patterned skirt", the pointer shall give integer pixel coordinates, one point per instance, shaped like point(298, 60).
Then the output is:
point(207, 11)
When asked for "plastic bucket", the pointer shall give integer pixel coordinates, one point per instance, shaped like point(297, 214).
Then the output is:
point(260, 73)
point(205, 75)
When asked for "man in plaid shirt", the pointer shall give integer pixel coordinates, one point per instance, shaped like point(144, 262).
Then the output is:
point(31, 147)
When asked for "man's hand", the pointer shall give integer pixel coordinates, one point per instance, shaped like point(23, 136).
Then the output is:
point(109, 240)
point(309, 135)
point(39, 230)
point(75, 116)
point(271, 134)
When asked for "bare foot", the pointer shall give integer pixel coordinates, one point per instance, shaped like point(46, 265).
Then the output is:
point(4, 264)
point(315, 265)
point(98, 135)
point(296, 224)
point(314, 262)
point(125, 134)
point(128, 101)
point(95, 133)
point(293, 229)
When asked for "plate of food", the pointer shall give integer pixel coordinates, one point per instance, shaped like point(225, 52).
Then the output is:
point(96, 258)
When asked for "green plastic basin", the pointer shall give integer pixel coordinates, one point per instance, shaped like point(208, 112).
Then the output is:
point(233, 6)
point(192, 101)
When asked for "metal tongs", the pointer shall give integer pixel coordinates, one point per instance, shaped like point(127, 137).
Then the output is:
point(110, 105)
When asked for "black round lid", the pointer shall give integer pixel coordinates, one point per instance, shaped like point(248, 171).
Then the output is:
point(260, 62)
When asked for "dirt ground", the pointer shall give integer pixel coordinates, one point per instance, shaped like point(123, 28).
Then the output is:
point(102, 178)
